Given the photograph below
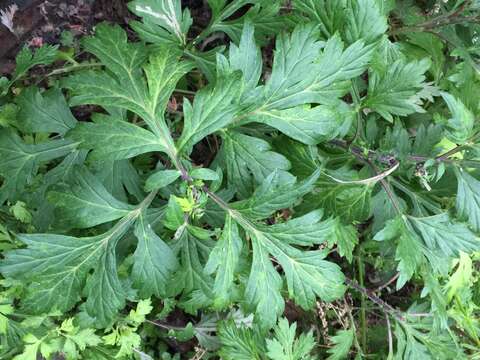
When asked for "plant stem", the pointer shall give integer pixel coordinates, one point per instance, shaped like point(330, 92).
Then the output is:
point(376, 300)
point(390, 338)
point(359, 154)
point(383, 286)
point(451, 18)
point(71, 68)
point(363, 312)
point(185, 92)
point(449, 153)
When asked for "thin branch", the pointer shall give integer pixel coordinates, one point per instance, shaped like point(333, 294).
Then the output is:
point(429, 26)
point(450, 18)
point(367, 181)
point(363, 312)
point(390, 337)
point(397, 314)
point(68, 69)
point(359, 152)
point(383, 286)
point(449, 153)
point(184, 92)
point(216, 198)
point(164, 326)
point(391, 195)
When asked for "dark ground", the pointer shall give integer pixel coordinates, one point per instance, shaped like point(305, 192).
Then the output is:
point(38, 22)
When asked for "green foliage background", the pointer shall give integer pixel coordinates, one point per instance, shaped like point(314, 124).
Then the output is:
point(224, 201)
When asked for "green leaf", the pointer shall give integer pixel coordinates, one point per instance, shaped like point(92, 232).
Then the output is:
point(150, 32)
point(308, 125)
point(224, 260)
point(76, 339)
point(63, 171)
point(247, 57)
point(47, 112)
point(393, 91)
point(307, 273)
point(427, 138)
point(161, 179)
point(284, 345)
point(468, 198)
point(383, 209)
point(216, 6)
point(192, 246)
point(430, 45)
point(26, 59)
point(461, 280)
point(347, 201)
point(85, 338)
point(32, 347)
point(20, 212)
point(413, 343)
point(120, 178)
point(113, 139)
point(302, 158)
point(213, 109)
point(343, 341)
point(257, 202)
point(345, 237)
point(248, 161)
point(84, 202)
point(100, 353)
point(125, 86)
point(440, 233)
point(165, 16)
point(204, 174)
point(354, 19)
point(154, 261)
point(329, 15)
point(105, 293)
point(408, 255)
point(137, 316)
point(278, 191)
point(8, 114)
point(56, 268)
point(206, 61)
point(127, 340)
point(265, 15)
point(263, 287)
point(58, 264)
point(303, 74)
point(110, 46)
point(174, 216)
point(164, 70)
point(460, 125)
point(409, 248)
point(19, 162)
point(239, 343)
point(436, 237)
point(364, 21)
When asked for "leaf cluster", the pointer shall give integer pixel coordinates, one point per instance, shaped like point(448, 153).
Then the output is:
point(223, 185)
